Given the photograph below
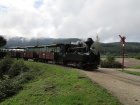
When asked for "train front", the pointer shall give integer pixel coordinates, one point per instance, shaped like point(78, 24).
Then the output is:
point(92, 59)
point(81, 56)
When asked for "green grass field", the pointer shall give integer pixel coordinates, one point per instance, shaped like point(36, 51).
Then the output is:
point(56, 85)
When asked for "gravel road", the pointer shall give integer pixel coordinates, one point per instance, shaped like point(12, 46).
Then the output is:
point(125, 87)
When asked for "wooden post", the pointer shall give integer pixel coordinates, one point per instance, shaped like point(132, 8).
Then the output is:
point(123, 42)
point(122, 56)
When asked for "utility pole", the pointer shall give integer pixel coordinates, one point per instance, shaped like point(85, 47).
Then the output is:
point(123, 42)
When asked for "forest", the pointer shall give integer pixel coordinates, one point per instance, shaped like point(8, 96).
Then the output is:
point(130, 48)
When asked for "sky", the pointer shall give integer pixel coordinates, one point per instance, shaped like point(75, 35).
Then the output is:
point(71, 19)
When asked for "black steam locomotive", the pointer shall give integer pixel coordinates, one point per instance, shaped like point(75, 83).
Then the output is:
point(82, 57)
point(76, 55)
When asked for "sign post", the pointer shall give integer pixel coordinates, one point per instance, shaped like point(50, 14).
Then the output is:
point(123, 42)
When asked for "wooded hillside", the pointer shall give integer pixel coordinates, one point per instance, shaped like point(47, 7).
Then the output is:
point(131, 48)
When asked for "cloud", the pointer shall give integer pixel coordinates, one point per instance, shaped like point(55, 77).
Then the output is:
point(71, 18)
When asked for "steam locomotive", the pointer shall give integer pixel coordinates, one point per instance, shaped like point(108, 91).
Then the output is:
point(76, 55)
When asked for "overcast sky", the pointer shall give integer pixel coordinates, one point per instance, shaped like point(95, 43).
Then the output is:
point(71, 19)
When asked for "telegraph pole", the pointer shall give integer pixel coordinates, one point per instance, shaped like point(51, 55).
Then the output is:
point(123, 42)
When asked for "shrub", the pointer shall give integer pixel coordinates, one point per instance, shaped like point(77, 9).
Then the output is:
point(110, 62)
point(107, 64)
point(5, 65)
point(8, 87)
point(13, 77)
point(24, 77)
point(110, 58)
point(16, 68)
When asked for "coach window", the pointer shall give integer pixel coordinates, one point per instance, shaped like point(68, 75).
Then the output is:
point(57, 49)
point(50, 49)
point(41, 49)
point(46, 49)
point(31, 50)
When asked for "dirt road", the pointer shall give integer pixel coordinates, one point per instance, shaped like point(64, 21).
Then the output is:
point(123, 86)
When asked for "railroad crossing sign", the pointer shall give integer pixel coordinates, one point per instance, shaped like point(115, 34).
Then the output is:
point(123, 42)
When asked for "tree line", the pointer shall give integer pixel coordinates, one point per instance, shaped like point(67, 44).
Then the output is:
point(131, 48)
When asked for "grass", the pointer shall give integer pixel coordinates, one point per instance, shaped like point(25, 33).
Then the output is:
point(136, 67)
point(131, 72)
point(55, 85)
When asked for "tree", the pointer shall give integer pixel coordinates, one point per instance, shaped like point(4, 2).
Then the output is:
point(2, 41)
point(110, 58)
point(97, 44)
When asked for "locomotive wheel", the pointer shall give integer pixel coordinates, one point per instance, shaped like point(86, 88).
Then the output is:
point(80, 65)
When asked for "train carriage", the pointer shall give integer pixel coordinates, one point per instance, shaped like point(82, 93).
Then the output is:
point(31, 52)
point(16, 52)
point(50, 53)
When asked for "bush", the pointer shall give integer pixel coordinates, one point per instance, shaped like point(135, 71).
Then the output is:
point(5, 65)
point(11, 67)
point(106, 64)
point(110, 58)
point(110, 62)
point(8, 87)
point(14, 74)
point(16, 68)
point(24, 77)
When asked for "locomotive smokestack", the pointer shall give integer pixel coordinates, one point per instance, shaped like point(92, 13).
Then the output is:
point(89, 42)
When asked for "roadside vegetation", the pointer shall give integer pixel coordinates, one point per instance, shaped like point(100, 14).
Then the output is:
point(110, 62)
point(13, 75)
point(54, 85)
point(131, 72)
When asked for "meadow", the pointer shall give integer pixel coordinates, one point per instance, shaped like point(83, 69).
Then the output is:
point(55, 85)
